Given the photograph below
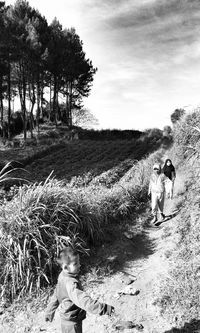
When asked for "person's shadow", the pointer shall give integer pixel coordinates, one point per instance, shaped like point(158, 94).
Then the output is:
point(192, 327)
point(167, 218)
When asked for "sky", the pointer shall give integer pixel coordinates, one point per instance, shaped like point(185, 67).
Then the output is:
point(147, 53)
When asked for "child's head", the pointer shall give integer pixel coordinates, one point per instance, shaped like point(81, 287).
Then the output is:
point(69, 260)
point(157, 168)
point(168, 162)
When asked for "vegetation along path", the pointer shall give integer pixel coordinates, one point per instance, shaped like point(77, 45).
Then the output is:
point(131, 264)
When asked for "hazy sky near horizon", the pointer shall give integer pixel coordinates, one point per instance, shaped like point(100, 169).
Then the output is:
point(147, 53)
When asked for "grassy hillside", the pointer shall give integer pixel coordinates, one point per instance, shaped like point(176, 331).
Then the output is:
point(180, 291)
point(109, 186)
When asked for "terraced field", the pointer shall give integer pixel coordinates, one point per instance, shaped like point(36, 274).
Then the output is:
point(89, 159)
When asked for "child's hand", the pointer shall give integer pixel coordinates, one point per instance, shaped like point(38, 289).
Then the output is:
point(110, 310)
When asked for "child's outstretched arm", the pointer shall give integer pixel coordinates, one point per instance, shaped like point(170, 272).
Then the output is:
point(51, 308)
point(85, 302)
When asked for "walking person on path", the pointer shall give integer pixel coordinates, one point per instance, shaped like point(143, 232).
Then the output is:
point(73, 302)
point(170, 173)
point(157, 192)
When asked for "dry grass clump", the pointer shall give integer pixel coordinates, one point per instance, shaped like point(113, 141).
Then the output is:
point(186, 136)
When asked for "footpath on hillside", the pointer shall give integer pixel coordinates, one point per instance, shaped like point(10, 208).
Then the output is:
point(138, 259)
point(148, 265)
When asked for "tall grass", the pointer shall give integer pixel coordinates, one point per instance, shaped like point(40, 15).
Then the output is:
point(181, 289)
point(33, 227)
point(186, 136)
point(40, 218)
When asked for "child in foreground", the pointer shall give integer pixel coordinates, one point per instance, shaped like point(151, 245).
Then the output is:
point(73, 302)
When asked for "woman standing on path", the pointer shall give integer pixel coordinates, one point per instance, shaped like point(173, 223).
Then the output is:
point(170, 173)
point(157, 191)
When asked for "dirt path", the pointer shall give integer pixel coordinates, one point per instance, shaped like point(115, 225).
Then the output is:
point(139, 258)
point(143, 258)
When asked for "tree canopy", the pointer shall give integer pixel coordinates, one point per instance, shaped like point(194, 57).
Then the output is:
point(176, 115)
point(40, 63)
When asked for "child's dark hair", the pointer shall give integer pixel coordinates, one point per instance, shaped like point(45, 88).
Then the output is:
point(66, 255)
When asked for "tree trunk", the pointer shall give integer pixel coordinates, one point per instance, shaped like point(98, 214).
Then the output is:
point(32, 99)
point(58, 113)
point(22, 94)
point(53, 116)
point(38, 105)
point(50, 109)
point(31, 119)
point(70, 105)
point(1, 100)
point(66, 114)
point(9, 102)
point(42, 97)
